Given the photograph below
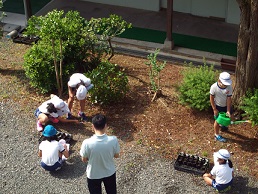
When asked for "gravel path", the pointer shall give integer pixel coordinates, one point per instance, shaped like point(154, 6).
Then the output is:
point(137, 172)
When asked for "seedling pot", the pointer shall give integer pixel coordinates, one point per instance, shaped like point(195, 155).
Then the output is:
point(191, 164)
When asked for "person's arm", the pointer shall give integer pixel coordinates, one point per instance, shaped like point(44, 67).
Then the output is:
point(65, 152)
point(67, 120)
point(40, 153)
point(229, 101)
point(213, 105)
point(85, 159)
point(116, 155)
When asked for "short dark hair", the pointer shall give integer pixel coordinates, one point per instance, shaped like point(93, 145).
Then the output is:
point(99, 121)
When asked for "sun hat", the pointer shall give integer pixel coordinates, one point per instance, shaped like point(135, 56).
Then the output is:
point(49, 131)
point(81, 92)
point(58, 103)
point(89, 87)
point(224, 77)
point(222, 154)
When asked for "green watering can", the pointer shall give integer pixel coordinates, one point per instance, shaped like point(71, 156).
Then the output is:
point(224, 120)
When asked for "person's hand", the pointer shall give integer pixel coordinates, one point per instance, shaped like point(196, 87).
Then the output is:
point(76, 121)
point(228, 114)
point(216, 112)
point(65, 146)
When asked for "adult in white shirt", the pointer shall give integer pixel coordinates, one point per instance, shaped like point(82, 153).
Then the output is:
point(99, 151)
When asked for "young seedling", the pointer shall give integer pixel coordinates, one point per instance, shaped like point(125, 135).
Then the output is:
point(154, 73)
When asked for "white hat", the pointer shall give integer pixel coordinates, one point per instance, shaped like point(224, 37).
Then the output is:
point(222, 154)
point(81, 92)
point(59, 104)
point(64, 110)
point(224, 77)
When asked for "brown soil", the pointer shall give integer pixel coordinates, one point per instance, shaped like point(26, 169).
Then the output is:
point(164, 125)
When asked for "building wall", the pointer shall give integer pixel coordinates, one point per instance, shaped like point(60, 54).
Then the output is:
point(151, 5)
point(227, 10)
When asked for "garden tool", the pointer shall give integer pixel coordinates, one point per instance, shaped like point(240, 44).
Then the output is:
point(224, 120)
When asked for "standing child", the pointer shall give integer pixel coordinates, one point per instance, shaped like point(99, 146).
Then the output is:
point(51, 151)
point(99, 151)
point(222, 171)
point(220, 99)
point(78, 86)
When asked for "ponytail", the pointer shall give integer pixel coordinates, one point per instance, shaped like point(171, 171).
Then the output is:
point(230, 164)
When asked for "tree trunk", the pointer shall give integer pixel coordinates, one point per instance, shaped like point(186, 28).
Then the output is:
point(247, 50)
point(56, 68)
point(61, 68)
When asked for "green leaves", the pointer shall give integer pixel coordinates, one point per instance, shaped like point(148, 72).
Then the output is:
point(77, 45)
point(110, 83)
point(109, 27)
point(155, 69)
point(195, 87)
point(249, 104)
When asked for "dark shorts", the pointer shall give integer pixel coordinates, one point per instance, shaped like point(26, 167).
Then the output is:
point(223, 109)
point(52, 168)
point(221, 187)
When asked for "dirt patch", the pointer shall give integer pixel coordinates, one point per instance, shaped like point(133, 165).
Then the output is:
point(164, 126)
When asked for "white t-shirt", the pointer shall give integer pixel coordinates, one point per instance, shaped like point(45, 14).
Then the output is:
point(50, 151)
point(100, 151)
point(220, 94)
point(57, 102)
point(77, 78)
point(222, 173)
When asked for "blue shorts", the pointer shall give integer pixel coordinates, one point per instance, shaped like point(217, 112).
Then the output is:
point(221, 187)
point(52, 168)
point(37, 113)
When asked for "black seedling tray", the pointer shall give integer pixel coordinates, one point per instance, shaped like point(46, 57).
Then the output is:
point(192, 164)
point(25, 40)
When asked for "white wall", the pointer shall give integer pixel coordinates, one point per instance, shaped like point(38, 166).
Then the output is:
point(227, 9)
point(233, 14)
point(209, 8)
point(152, 5)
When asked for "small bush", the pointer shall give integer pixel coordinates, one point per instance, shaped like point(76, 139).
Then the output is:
point(110, 83)
point(250, 106)
point(195, 88)
point(39, 68)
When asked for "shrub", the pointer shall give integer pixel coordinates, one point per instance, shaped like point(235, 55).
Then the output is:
point(110, 83)
point(68, 39)
point(249, 104)
point(39, 68)
point(195, 87)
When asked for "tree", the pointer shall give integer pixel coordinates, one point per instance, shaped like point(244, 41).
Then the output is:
point(247, 50)
point(1, 17)
point(109, 28)
point(56, 28)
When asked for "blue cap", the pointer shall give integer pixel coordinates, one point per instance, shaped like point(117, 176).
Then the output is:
point(49, 131)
